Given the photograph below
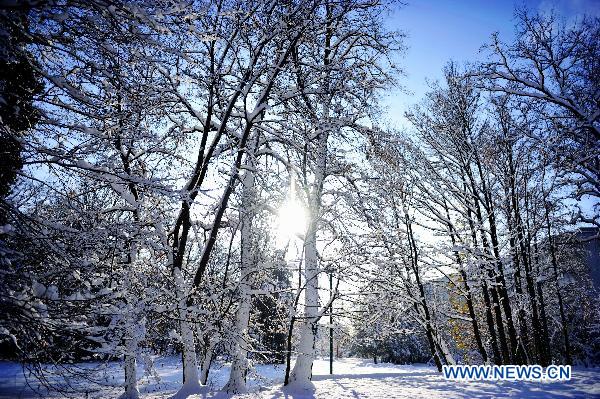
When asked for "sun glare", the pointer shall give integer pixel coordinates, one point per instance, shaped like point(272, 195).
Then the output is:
point(292, 219)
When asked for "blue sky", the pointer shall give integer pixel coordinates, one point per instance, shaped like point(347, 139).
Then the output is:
point(441, 30)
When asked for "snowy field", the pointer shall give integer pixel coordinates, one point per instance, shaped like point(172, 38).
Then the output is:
point(354, 378)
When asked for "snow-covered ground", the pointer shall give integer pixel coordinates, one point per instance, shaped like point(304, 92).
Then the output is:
point(354, 378)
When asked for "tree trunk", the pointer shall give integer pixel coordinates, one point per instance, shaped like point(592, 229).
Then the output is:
point(432, 347)
point(500, 280)
point(522, 352)
point(130, 366)
point(545, 338)
point(207, 359)
point(288, 353)
point(302, 372)
point(490, 273)
point(443, 348)
point(239, 365)
point(473, 316)
point(535, 320)
point(438, 352)
point(484, 288)
point(499, 323)
point(490, 323)
point(191, 380)
point(467, 288)
point(561, 309)
point(190, 363)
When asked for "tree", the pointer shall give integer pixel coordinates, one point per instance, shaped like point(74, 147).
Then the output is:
point(555, 67)
point(349, 51)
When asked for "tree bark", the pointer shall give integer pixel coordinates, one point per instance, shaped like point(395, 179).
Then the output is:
point(561, 309)
point(467, 288)
point(239, 365)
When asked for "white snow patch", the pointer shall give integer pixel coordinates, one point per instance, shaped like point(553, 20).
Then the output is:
point(353, 378)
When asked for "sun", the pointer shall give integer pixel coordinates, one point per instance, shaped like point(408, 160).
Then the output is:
point(292, 219)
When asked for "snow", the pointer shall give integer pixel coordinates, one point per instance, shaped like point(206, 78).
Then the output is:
point(354, 378)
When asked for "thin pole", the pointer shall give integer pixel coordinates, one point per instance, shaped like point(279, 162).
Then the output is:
point(331, 325)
